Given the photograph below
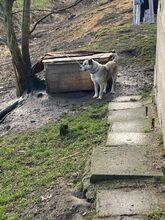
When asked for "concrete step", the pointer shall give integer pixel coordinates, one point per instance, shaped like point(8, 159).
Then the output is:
point(122, 218)
point(139, 126)
point(128, 138)
point(128, 202)
point(132, 98)
point(127, 114)
point(123, 162)
point(124, 105)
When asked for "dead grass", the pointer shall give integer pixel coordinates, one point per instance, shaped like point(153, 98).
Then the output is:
point(98, 26)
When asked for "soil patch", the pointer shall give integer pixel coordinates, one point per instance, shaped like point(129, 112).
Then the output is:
point(57, 202)
point(41, 108)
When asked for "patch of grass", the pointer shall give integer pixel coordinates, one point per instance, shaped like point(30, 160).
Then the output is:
point(2, 213)
point(148, 125)
point(125, 37)
point(162, 179)
point(160, 138)
point(102, 2)
point(156, 216)
point(146, 92)
point(34, 3)
point(31, 161)
point(101, 32)
point(91, 214)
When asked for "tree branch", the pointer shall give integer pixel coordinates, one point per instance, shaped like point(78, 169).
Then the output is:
point(2, 17)
point(56, 12)
point(1, 6)
point(31, 10)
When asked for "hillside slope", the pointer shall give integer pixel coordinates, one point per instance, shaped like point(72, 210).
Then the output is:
point(39, 166)
point(103, 25)
point(100, 25)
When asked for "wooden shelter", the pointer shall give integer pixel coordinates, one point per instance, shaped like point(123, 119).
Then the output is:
point(63, 70)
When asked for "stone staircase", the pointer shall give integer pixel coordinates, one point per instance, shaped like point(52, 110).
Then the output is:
point(126, 170)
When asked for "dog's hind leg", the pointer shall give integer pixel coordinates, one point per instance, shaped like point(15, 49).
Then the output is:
point(113, 85)
point(101, 91)
point(114, 77)
point(96, 89)
point(105, 88)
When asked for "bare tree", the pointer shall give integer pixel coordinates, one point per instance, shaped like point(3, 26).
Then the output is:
point(20, 57)
point(20, 53)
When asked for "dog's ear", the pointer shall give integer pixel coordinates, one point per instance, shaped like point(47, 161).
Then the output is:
point(90, 62)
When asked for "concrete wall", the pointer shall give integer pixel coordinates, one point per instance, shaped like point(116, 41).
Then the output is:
point(160, 65)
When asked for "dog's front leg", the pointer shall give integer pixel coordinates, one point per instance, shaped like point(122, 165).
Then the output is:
point(96, 89)
point(101, 91)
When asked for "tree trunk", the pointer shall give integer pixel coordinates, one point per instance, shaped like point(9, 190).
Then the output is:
point(21, 61)
point(14, 48)
point(25, 41)
point(25, 79)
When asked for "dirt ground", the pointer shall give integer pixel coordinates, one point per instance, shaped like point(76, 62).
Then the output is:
point(41, 108)
point(59, 202)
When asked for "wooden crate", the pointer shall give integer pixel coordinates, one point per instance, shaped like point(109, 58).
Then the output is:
point(63, 73)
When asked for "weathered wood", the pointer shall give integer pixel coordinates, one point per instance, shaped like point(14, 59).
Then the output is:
point(63, 74)
point(102, 57)
point(68, 82)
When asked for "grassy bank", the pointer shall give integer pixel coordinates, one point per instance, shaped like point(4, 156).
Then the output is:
point(137, 43)
point(31, 161)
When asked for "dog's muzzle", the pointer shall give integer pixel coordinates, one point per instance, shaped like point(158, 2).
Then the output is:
point(82, 68)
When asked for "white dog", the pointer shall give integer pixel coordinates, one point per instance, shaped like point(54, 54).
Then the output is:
point(100, 75)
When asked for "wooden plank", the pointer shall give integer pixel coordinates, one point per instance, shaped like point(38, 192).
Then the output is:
point(72, 81)
point(102, 56)
point(62, 68)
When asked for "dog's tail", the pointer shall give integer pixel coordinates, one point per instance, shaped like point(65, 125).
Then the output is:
point(113, 56)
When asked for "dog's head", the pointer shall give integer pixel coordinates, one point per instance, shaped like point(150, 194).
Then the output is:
point(87, 65)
